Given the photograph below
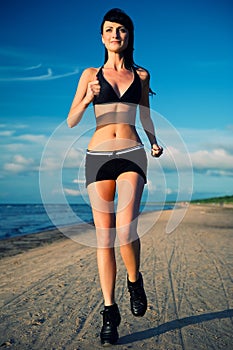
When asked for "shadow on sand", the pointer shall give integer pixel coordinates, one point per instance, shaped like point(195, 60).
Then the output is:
point(176, 324)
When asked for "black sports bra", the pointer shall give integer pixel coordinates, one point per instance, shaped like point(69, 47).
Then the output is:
point(107, 93)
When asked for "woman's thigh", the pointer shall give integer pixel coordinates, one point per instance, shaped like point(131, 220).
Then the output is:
point(130, 189)
point(101, 195)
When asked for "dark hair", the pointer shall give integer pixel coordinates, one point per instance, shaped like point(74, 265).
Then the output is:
point(119, 16)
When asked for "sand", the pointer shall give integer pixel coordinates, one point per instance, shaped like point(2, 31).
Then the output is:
point(51, 298)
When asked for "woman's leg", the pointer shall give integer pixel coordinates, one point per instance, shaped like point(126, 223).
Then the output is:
point(101, 196)
point(129, 196)
point(130, 188)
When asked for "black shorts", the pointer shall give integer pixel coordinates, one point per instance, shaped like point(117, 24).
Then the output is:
point(109, 165)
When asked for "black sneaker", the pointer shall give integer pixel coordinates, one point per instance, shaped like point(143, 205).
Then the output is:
point(111, 320)
point(138, 300)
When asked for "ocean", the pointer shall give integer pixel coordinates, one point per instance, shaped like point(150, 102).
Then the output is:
point(23, 219)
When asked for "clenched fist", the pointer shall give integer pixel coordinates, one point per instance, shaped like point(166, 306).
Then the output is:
point(93, 89)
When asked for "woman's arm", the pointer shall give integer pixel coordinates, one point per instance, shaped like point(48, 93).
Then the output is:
point(88, 87)
point(145, 117)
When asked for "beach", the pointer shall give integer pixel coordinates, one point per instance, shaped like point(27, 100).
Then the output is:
point(51, 298)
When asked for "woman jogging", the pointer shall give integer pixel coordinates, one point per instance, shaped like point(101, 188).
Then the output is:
point(116, 161)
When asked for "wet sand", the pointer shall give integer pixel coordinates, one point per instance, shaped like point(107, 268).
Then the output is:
point(51, 298)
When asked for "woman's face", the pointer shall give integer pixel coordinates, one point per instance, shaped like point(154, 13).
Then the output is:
point(115, 36)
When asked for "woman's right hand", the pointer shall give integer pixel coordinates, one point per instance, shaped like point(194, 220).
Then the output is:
point(93, 89)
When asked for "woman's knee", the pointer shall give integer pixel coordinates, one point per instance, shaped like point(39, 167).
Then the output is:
point(127, 233)
point(105, 237)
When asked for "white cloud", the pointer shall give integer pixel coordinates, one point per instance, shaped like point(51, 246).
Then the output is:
point(21, 126)
point(217, 159)
point(14, 147)
point(59, 158)
point(19, 164)
point(33, 67)
point(169, 191)
point(204, 150)
point(172, 160)
point(71, 192)
point(47, 75)
point(7, 133)
point(13, 126)
point(50, 163)
point(220, 173)
point(22, 160)
point(77, 181)
point(18, 158)
point(201, 160)
point(74, 158)
point(208, 139)
point(33, 138)
point(14, 167)
point(25, 67)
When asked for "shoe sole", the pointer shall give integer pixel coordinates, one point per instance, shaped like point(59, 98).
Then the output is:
point(138, 315)
point(106, 345)
point(105, 341)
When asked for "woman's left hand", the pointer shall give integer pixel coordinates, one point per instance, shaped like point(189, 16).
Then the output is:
point(156, 150)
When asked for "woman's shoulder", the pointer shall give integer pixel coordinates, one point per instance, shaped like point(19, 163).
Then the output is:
point(143, 73)
point(90, 73)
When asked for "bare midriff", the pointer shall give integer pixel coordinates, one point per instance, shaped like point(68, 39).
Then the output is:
point(115, 127)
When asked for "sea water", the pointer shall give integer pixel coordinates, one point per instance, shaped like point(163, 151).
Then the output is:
point(22, 219)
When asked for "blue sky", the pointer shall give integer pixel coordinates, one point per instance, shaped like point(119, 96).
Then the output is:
point(186, 46)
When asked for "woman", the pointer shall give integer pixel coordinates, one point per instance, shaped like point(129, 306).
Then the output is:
point(116, 159)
